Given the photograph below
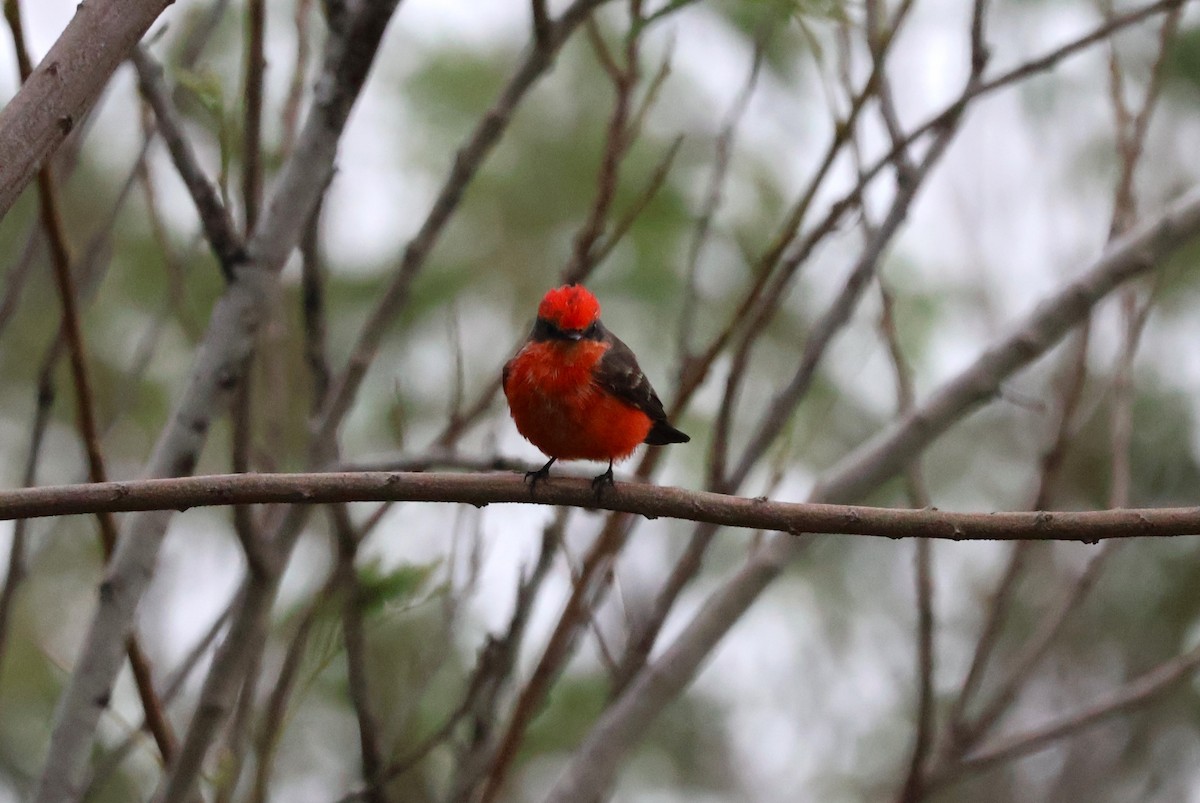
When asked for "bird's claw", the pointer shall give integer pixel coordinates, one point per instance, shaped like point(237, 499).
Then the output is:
point(532, 477)
point(604, 480)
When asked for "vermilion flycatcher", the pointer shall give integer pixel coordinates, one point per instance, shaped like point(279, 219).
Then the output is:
point(576, 392)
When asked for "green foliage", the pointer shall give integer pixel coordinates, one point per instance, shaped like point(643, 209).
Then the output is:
point(1183, 61)
point(393, 589)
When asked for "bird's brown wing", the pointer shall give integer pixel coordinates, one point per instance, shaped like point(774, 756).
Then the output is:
point(619, 374)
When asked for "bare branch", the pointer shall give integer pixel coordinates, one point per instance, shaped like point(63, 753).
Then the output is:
point(218, 225)
point(85, 404)
point(470, 156)
point(220, 363)
point(354, 639)
point(541, 23)
point(651, 501)
point(596, 761)
point(62, 88)
point(1161, 679)
point(256, 65)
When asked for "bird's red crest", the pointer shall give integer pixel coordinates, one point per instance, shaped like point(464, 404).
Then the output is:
point(569, 307)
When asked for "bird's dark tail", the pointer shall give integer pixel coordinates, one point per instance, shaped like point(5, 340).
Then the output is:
point(663, 433)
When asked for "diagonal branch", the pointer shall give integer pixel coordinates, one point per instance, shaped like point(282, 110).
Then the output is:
point(65, 84)
point(1135, 693)
point(596, 761)
point(219, 229)
point(85, 401)
point(220, 363)
point(470, 156)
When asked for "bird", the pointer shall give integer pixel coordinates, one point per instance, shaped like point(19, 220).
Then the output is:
point(576, 392)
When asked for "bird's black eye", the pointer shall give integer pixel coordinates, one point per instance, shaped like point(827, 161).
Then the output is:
point(544, 330)
point(593, 332)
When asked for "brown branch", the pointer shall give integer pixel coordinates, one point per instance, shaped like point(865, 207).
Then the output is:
point(273, 719)
point(65, 84)
point(72, 331)
point(1132, 695)
point(651, 501)
point(616, 146)
point(912, 789)
point(354, 640)
point(256, 65)
point(541, 23)
point(493, 670)
point(466, 163)
point(625, 222)
point(714, 195)
point(219, 229)
point(1022, 71)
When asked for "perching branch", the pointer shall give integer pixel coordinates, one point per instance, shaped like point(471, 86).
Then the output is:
point(651, 501)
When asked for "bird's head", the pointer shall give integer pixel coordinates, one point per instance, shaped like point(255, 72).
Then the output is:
point(569, 312)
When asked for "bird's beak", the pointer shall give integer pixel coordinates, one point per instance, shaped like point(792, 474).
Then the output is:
point(574, 334)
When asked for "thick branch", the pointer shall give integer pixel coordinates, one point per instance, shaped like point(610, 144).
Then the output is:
point(65, 85)
point(651, 501)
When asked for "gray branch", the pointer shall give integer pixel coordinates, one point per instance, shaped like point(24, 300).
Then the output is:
point(65, 85)
point(219, 367)
point(597, 760)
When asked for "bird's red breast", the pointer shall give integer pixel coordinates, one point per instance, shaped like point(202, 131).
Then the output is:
point(560, 408)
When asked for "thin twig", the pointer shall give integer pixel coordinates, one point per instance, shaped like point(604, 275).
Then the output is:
point(354, 640)
point(60, 259)
point(494, 668)
point(16, 571)
point(219, 229)
point(256, 65)
point(617, 141)
point(912, 789)
point(722, 158)
point(595, 761)
point(470, 156)
point(1136, 693)
point(295, 94)
point(275, 713)
point(219, 364)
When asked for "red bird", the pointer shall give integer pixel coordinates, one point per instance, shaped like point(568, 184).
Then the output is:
point(576, 392)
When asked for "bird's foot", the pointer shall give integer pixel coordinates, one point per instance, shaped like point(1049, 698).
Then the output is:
point(604, 480)
point(532, 477)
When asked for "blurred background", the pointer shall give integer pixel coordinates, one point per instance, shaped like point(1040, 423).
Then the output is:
point(814, 693)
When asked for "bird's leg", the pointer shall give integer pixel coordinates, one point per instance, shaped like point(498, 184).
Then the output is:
point(604, 479)
point(542, 473)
